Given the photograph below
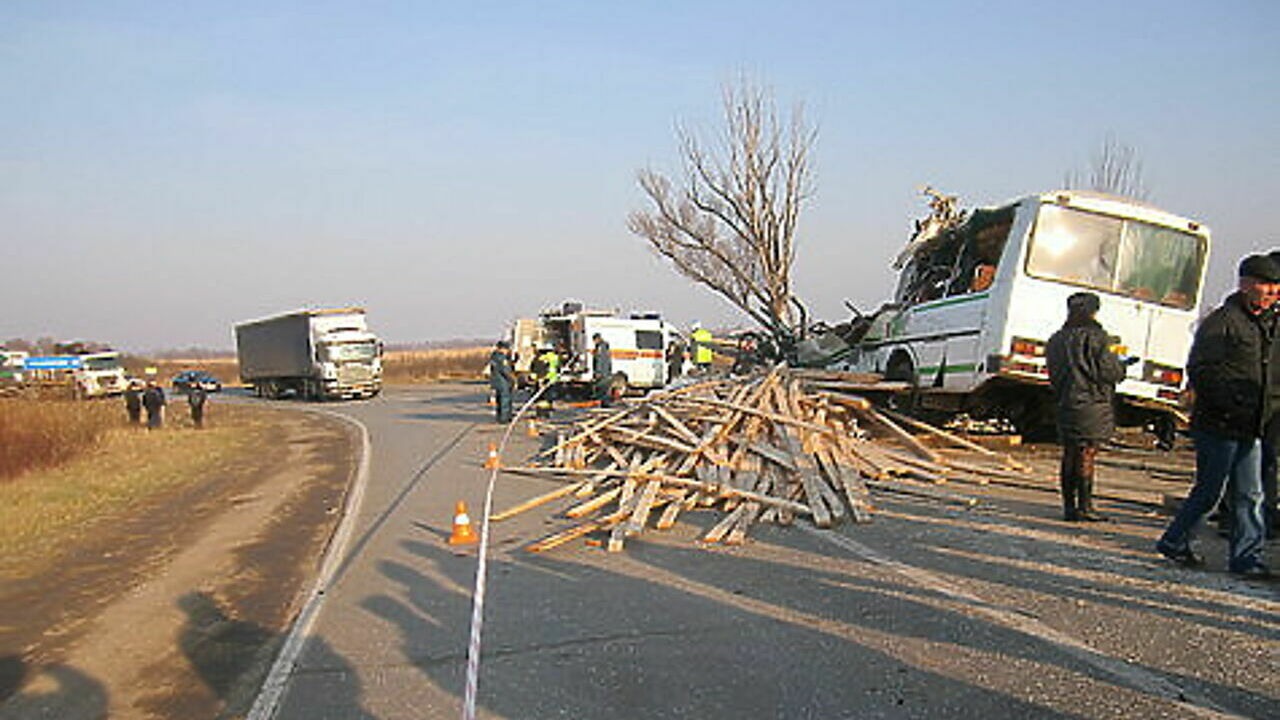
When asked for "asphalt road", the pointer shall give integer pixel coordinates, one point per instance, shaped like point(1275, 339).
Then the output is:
point(930, 611)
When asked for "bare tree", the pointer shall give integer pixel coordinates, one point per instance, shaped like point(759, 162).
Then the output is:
point(730, 223)
point(1115, 168)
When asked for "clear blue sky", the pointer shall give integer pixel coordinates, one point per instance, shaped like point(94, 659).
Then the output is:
point(167, 169)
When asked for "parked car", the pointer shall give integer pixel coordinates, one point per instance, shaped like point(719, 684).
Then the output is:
point(187, 379)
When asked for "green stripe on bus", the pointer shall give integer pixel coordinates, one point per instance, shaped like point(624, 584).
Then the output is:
point(963, 367)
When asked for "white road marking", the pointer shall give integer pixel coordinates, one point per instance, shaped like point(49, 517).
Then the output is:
point(268, 700)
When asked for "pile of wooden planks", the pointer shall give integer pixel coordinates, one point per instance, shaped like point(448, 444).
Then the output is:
point(764, 449)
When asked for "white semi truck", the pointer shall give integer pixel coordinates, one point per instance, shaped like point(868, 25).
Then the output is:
point(313, 354)
point(82, 375)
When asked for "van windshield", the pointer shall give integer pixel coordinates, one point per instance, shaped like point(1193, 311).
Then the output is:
point(102, 363)
point(1117, 255)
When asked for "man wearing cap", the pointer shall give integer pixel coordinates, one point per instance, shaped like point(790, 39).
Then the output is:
point(602, 368)
point(1083, 372)
point(502, 379)
point(1228, 372)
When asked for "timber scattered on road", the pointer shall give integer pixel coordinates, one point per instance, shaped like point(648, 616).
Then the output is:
point(767, 448)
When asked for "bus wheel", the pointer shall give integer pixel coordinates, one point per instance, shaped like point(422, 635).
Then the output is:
point(902, 369)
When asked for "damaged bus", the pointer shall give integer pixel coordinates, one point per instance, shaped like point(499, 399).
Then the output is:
point(979, 294)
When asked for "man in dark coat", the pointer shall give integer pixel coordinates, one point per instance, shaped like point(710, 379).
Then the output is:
point(602, 368)
point(1228, 372)
point(133, 402)
point(502, 379)
point(153, 401)
point(1083, 372)
point(196, 397)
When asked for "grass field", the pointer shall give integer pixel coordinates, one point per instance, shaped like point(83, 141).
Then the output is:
point(399, 367)
point(406, 367)
point(44, 433)
point(45, 508)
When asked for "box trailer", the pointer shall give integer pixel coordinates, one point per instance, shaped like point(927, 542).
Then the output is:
point(313, 354)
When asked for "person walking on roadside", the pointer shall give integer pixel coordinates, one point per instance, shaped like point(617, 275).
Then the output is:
point(196, 397)
point(153, 401)
point(133, 402)
point(1083, 373)
point(1228, 372)
point(602, 369)
point(502, 379)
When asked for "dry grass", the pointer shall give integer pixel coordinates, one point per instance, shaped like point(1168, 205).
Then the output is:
point(399, 367)
point(44, 433)
point(45, 509)
point(423, 366)
point(226, 369)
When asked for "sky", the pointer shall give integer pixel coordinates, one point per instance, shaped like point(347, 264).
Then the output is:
point(170, 169)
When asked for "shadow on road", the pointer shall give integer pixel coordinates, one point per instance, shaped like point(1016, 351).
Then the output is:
point(55, 691)
point(571, 640)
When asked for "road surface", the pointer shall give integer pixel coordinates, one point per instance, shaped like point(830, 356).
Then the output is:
point(930, 611)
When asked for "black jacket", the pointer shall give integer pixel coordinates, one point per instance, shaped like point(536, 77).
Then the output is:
point(1228, 370)
point(602, 361)
point(1083, 372)
point(500, 372)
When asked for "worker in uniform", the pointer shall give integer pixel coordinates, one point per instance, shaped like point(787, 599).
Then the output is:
point(548, 361)
point(675, 358)
point(196, 397)
point(602, 367)
point(1084, 373)
point(133, 402)
point(153, 401)
point(502, 379)
point(1228, 372)
point(702, 353)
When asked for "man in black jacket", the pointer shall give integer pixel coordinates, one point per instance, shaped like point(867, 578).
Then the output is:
point(1228, 372)
point(1083, 372)
point(602, 368)
point(502, 379)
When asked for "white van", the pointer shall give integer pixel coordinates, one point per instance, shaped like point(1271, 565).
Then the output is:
point(977, 301)
point(637, 344)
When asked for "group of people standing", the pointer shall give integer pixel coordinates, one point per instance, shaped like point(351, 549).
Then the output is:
point(150, 397)
point(1233, 372)
point(546, 373)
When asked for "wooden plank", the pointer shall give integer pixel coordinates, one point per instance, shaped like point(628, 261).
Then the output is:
point(955, 439)
point(722, 528)
point(542, 499)
point(590, 506)
point(907, 438)
point(641, 516)
point(680, 500)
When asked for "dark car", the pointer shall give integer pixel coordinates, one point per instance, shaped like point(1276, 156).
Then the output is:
point(187, 379)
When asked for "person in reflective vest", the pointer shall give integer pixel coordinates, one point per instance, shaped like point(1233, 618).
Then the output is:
point(549, 363)
point(701, 347)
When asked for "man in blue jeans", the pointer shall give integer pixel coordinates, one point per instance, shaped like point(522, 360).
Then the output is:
point(1228, 372)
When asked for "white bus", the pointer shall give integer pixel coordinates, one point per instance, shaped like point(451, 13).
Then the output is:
point(977, 301)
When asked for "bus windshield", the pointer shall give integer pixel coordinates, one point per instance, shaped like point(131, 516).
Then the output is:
point(1117, 255)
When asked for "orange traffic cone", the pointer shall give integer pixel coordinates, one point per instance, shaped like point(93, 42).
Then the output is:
point(533, 430)
point(462, 533)
point(493, 461)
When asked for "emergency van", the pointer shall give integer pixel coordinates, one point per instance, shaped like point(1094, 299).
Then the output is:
point(979, 294)
point(638, 345)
